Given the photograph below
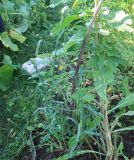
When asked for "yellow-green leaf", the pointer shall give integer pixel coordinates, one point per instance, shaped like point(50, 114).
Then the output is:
point(17, 36)
point(6, 41)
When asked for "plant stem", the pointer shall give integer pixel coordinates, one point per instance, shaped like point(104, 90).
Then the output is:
point(96, 38)
point(107, 131)
point(84, 44)
point(33, 147)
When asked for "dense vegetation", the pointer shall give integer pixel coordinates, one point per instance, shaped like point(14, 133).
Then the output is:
point(82, 106)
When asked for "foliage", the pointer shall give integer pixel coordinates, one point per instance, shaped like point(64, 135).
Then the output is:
point(89, 119)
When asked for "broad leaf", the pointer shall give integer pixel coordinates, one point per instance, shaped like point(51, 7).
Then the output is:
point(22, 26)
point(6, 72)
point(79, 94)
point(17, 36)
point(105, 77)
point(62, 25)
point(7, 60)
point(75, 39)
point(6, 41)
point(9, 5)
point(101, 87)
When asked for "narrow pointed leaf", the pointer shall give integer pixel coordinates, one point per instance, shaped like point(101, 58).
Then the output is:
point(128, 100)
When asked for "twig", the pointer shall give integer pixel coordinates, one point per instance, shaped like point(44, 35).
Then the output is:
point(85, 40)
point(33, 147)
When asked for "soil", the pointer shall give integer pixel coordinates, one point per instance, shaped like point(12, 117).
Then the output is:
point(42, 155)
point(128, 141)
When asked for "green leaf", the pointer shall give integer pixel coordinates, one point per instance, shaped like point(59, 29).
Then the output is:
point(17, 36)
point(129, 113)
point(69, 44)
point(78, 153)
point(88, 98)
point(93, 124)
point(23, 25)
point(6, 41)
point(113, 61)
point(62, 25)
point(55, 3)
point(72, 142)
point(93, 61)
point(7, 60)
point(128, 100)
point(79, 94)
point(75, 39)
point(115, 122)
point(9, 5)
point(77, 2)
point(105, 76)
point(130, 128)
point(75, 141)
point(6, 72)
point(30, 128)
point(101, 89)
point(121, 148)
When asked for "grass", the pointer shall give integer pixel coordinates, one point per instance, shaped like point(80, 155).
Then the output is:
point(43, 106)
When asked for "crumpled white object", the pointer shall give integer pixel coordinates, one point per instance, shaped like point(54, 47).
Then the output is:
point(35, 65)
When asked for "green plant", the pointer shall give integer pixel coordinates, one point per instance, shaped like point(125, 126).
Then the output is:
point(103, 67)
point(6, 72)
point(79, 106)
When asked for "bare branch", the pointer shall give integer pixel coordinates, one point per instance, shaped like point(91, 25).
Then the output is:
point(85, 40)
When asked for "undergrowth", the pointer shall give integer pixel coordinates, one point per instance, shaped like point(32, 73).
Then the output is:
point(51, 116)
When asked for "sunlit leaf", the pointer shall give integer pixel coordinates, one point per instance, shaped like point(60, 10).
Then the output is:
point(6, 41)
point(17, 36)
